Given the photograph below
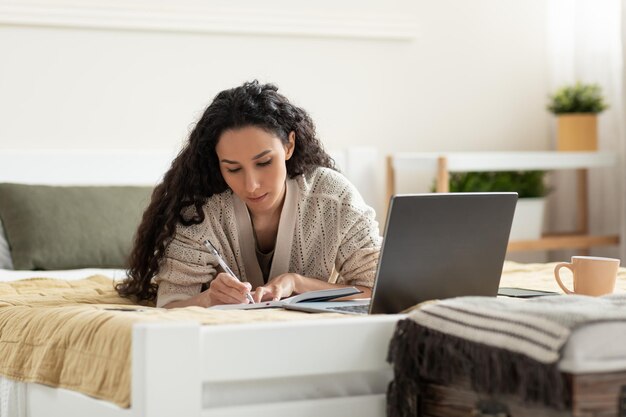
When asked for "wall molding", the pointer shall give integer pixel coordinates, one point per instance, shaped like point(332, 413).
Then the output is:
point(374, 22)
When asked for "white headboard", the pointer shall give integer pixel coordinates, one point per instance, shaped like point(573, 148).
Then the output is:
point(84, 167)
point(145, 167)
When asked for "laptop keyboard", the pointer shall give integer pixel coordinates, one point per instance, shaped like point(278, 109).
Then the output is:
point(358, 309)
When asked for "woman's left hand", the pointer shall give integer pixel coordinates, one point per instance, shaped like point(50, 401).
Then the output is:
point(279, 287)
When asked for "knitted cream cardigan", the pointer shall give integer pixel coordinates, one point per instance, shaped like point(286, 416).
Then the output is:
point(325, 226)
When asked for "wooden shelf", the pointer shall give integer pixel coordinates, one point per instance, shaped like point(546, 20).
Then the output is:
point(566, 241)
point(442, 163)
point(502, 161)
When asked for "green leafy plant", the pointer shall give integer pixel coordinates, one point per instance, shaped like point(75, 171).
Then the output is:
point(527, 184)
point(579, 98)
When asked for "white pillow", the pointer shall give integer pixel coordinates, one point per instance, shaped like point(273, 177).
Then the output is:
point(5, 254)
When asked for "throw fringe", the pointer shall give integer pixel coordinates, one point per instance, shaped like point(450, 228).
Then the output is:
point(420, 355)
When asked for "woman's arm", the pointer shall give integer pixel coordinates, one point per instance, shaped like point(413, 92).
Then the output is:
point(287, 284)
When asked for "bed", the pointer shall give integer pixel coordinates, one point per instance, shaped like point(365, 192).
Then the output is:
point(310, 365)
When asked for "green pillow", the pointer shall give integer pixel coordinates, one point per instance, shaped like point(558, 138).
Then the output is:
point(51, 227)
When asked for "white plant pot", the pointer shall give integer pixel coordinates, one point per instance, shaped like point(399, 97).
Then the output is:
point(528, 219)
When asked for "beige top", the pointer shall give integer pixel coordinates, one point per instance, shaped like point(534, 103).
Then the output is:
point(325, 226)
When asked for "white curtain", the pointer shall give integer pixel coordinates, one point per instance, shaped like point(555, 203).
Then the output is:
point(585, 43)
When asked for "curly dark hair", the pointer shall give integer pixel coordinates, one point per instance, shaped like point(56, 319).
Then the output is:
point(194, 175)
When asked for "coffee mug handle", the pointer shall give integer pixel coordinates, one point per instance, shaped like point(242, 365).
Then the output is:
point(558, 278)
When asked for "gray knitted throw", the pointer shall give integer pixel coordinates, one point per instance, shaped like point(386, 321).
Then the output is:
point(501, 345)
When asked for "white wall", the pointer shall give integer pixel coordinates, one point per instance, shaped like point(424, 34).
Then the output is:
point(455, 74)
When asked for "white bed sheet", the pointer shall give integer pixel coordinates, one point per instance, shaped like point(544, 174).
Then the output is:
point(594, 348)
point(12, 398)
point(71, 274)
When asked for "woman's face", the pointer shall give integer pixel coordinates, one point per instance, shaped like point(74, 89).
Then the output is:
point(252, 162)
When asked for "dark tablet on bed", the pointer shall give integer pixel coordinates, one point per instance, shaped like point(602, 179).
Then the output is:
point(523, 292)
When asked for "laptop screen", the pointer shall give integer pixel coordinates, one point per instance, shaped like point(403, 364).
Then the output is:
point(442, 245)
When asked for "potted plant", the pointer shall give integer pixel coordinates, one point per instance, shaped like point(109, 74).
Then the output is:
point(577, 108)
point(530, 187)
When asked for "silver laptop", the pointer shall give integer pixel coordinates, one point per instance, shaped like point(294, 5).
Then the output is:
point(435, 246)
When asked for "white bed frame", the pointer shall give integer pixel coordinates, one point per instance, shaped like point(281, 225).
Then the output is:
point(221, 355)
point(176, 365)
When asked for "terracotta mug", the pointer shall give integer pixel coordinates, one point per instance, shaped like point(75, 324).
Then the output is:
point(592, 275)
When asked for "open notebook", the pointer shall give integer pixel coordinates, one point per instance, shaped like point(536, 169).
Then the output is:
point(310, 297)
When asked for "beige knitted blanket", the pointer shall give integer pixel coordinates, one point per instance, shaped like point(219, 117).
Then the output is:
point(68, 334)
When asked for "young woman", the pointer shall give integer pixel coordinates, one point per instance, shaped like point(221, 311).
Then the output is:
point(254, 180)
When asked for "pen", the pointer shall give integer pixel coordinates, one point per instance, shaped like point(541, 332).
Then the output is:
point(225, 267)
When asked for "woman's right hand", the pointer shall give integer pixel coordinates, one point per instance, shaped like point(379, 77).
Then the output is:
point(226, 289)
